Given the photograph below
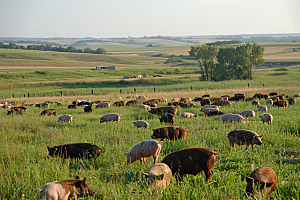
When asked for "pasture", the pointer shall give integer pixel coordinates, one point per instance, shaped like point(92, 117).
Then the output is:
point(25, 138)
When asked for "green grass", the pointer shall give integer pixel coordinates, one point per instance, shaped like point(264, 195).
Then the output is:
point(24, 165)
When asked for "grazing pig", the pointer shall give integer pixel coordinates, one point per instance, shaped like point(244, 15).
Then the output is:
point(198, 99)
point(191, 161)
point(262, 108)
point(262, 177)
point(15, 110)
point(167, 118)
point(292, 101)
point(120, 103)
point(215, 112)
point(49, 112)
point(76, 150)
point(206, 96)
point(162, 110)
point(281, 103)
point(241, 137)
point(186, 105)
point(247, 113)
point(72, 106)
point(266, 117)
point(132, 102)
point(273, 94)
point(144, 149)
point(297, 95)
point(151, 101)
point(88, 108)
point(188, 115)
point(209, 106)
point(208, 109)
point(269, 101)
point(185, 100)
point(65, 189)
point(205, 102)
point(142, 97)
point(103, 105)
point(255, 102)
point(141, 123)
point(170, 132)
point(162, 100)
point(175, 100)
point(159, 175)
point(110, 117)
point(275, 98)
point(232, 117)
point(145, 107)
point(65, 118)
point(221, 103)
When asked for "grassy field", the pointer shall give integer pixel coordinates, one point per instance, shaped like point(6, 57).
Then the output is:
point(24, 138)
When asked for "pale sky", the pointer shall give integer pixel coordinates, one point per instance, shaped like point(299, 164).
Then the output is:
point(138, 18)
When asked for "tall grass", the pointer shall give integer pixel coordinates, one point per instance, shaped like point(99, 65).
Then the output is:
point(25, 166)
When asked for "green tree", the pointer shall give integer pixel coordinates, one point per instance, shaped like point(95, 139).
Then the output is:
point(150, 45)
point(100, 51)
point(256, 56)
point(88, 50)
point(71, 49)
point(205, 55)
point(225, 67)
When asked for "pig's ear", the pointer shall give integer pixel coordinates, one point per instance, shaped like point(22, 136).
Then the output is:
point(83, 181)
point(145, 174)
point(260, 136)
point(127, 154)
point(77, 177)
point(160, 177)
point(249, 179)
point(268, 184)
point(153, 129)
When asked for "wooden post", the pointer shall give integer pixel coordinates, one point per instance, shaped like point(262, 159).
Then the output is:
point(154, 90)
point(61, 93)
point(191, 87)
point(92, 91)
point(120, 91)
point(28, 94)
point(13, 96)
point(134, 90)
point(24, 95)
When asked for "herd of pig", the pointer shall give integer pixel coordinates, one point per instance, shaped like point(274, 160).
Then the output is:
point(185, 161)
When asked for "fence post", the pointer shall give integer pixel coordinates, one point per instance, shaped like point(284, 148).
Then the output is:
point(134, 90)
point(61, 93)
point(92, 91)
point(191, 87)
point(24, 95)
point(13, 96)
point(120, 91)
point(28, 94)
point(154, 89)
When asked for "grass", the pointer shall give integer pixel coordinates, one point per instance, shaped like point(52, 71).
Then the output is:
point(24, 138)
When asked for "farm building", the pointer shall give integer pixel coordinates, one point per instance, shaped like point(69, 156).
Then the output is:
point(103, 67)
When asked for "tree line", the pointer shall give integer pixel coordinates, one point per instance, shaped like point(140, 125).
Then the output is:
point(228, 63)
point(43, 47)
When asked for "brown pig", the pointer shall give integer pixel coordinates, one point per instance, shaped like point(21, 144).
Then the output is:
point(262, 177)
point(170, 132)
point(167, 118)
point(65, 189)
point(164, 109)
point(241, 137)
point(191, 161)
point(144, 149)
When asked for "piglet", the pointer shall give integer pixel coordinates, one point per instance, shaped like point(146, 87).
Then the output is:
point(144, 149)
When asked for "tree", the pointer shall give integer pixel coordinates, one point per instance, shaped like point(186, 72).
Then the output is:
point(205, 55)
point(225, 67)
point(150, 45)
point(88, 50)
point(256, 56)
point(100, 51)
point(71, 49)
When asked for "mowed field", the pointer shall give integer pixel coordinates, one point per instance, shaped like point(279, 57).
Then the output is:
point(24, 138)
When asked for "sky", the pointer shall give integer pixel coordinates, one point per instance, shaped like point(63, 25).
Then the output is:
point(139, 18)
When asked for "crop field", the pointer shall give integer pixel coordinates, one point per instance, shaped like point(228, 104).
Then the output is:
point(24, 138)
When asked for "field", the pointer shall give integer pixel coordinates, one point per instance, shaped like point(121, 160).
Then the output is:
point(24, 138)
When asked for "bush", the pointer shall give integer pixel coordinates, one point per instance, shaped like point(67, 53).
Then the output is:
point(173, 60)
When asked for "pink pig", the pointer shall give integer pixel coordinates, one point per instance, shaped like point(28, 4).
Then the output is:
point(144, 149)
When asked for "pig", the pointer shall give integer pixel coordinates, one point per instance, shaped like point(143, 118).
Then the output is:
point(241, 137)
point(204, 102)
point(88, 108)
point(72, 106)
point(132, 102)
point(292, 101)
point(175, 100)
point(110, 117)
point(65, 118)
point(191, 161)
point(209, 106)
point(159, 175)
point(266, 117)
point(103, 105)
point(144, 149)
point(185, 100)
point(151, 101)
point(296, 95)
point(221, 103)
point(215, 112)
point(120, 103)
point(186, 105)
point(167, 118)
point(206, 96)
point(262, 108)
point(142, 97)
point(188, 115)
point(170, 132)
point(208, 109)
point(197, 98)
point(65, 189)
point(232, 117)
point(15, 110)
point(76, 150)
point(145, 107)
point(162, 100)
point(162, 110)
point(247, 113)
point(273, 93)
point(269, 101)
point(281, 103)
point(255, 102)
point(261, 178)
point(49, 112)
point(141, 123)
